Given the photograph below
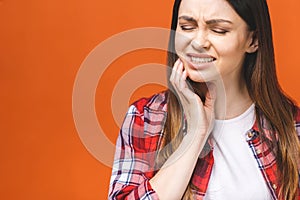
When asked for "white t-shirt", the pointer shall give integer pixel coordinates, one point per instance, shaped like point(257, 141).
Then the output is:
point(235, 174)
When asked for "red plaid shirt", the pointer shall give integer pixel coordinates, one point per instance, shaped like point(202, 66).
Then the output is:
point(140, 139)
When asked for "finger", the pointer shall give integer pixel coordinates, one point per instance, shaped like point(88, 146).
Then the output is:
point(187, 93)
point(178, 74)
point(190, 96)
point(210, 96)
point(178, 80)
point(184, 93)
point(174, 69)
point(174, 75)
point(182, 83)
point(177, 68)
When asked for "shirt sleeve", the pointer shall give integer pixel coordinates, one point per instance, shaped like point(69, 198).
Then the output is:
point(134, 161)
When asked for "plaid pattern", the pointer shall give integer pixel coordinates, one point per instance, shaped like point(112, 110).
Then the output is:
point(140, 138)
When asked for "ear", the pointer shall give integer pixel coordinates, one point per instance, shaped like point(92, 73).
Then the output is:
point(253, 43)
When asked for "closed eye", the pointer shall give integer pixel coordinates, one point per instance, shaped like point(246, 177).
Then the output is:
point(220, 31)
point(187, 27)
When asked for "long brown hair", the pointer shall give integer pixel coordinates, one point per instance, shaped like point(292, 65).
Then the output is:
point(271, 104)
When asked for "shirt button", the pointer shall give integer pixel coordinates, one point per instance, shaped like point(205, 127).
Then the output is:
point(258, 151)
point(250, 134)
point(274, 186)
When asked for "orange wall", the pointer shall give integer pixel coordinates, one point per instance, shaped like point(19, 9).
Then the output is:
point(42, 45)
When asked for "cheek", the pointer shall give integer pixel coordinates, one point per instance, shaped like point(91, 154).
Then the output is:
point(230, 49)
point(181, 42)
point(226, 45)
point(230, 57)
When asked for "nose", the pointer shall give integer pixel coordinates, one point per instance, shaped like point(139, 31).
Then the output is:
point(200, 40)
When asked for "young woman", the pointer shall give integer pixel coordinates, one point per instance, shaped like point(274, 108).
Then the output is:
point(224, 129)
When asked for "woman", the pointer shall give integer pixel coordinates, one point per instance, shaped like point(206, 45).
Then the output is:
point(228, 131)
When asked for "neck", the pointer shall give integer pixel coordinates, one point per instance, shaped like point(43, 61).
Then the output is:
point(232, 99)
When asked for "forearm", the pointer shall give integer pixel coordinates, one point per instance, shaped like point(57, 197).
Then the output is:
point(172, 179)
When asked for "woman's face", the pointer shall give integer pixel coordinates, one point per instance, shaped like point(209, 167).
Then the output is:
point(211, 40)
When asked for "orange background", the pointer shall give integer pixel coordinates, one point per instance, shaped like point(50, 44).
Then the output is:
point(42, 44)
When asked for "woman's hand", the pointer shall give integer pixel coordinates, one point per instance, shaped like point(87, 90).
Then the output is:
point(199, 116)
point(200, 122)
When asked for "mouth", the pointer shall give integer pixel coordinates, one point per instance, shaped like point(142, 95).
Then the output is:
point(201, 60)
point(198, 59)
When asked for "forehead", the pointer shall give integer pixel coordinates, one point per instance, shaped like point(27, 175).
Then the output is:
point(207, 9)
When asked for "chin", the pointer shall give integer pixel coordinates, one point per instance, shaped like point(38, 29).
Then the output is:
point(197, 79)
point(203, 75)
point(197, 76)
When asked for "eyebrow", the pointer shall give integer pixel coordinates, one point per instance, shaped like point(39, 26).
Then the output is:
point(187, 18)
point(211, 21)
point(216, 21)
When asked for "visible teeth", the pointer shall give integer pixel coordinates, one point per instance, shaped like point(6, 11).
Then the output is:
point(201, 60)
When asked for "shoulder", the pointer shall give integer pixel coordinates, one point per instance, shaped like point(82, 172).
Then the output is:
point(148, 115)
point(144, 122)
point(157, 102)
